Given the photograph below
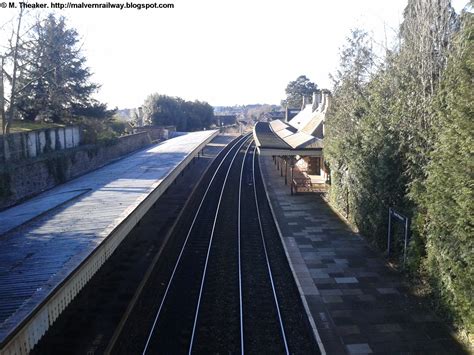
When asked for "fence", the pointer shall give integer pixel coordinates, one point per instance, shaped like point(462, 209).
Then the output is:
point(305, 185)
point(17, 146)
point(396, 216)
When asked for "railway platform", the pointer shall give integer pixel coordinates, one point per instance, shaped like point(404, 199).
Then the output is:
point(355, 303)
point(52, 245)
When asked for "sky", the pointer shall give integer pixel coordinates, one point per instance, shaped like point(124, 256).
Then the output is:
point(225, 52)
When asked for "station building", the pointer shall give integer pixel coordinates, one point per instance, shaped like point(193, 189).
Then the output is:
point(297, 141)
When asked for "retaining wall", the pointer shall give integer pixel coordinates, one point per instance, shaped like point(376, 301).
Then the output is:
point(26, 178)
point(157, 132)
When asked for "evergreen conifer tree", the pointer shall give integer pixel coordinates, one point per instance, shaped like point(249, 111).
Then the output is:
point(55, 85)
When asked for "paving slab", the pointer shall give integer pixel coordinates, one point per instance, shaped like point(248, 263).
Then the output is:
point(44, 240)
point(357, 303)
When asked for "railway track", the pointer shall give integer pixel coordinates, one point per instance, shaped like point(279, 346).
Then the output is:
point(262, 322)
point(221, 294)
point(174, 327)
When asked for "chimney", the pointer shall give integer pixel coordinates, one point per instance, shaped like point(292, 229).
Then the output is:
point(314, 102)
point(325, 100)
point(328, 100)
point(139, 115)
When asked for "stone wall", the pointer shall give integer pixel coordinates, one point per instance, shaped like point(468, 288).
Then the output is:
point(26, 178)
point(157, 132)
point(18, 146)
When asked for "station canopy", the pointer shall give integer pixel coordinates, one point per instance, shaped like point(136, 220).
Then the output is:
point(302, 135)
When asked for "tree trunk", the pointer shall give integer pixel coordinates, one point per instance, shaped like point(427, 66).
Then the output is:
point(15, 67)
point(2, 98)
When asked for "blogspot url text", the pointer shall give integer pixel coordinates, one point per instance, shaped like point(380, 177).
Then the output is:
point(84, 5)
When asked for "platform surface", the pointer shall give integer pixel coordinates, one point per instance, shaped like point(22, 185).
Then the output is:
point(45, 239)
point(357, 303)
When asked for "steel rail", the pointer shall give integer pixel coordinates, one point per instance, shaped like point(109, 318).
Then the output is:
point(210, 245)
point(239, 256)
point(269, 268)
point(241, 142)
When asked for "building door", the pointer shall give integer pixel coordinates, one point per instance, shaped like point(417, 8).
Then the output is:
point(314, 166)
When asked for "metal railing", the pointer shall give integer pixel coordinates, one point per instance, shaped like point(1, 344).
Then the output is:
point(305, 185)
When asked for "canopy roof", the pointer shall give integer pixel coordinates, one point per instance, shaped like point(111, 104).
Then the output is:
point(302, 135)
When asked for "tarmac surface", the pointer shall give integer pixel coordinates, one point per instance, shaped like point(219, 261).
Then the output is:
point(356, 303)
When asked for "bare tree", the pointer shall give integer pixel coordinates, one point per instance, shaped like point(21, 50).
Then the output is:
point(425, 40)
point(2, 97)
point(14, 75)
point(7, 118)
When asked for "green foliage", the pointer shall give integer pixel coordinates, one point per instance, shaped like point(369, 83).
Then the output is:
point(25, 126)
point(54, 85)
point(97, 131)
point(163, 110)
point(119, 127)
point(297, 89)
point(425, 34)
point(400, 134)
point(93, 109)
point(360, 143)
point(449, 196)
